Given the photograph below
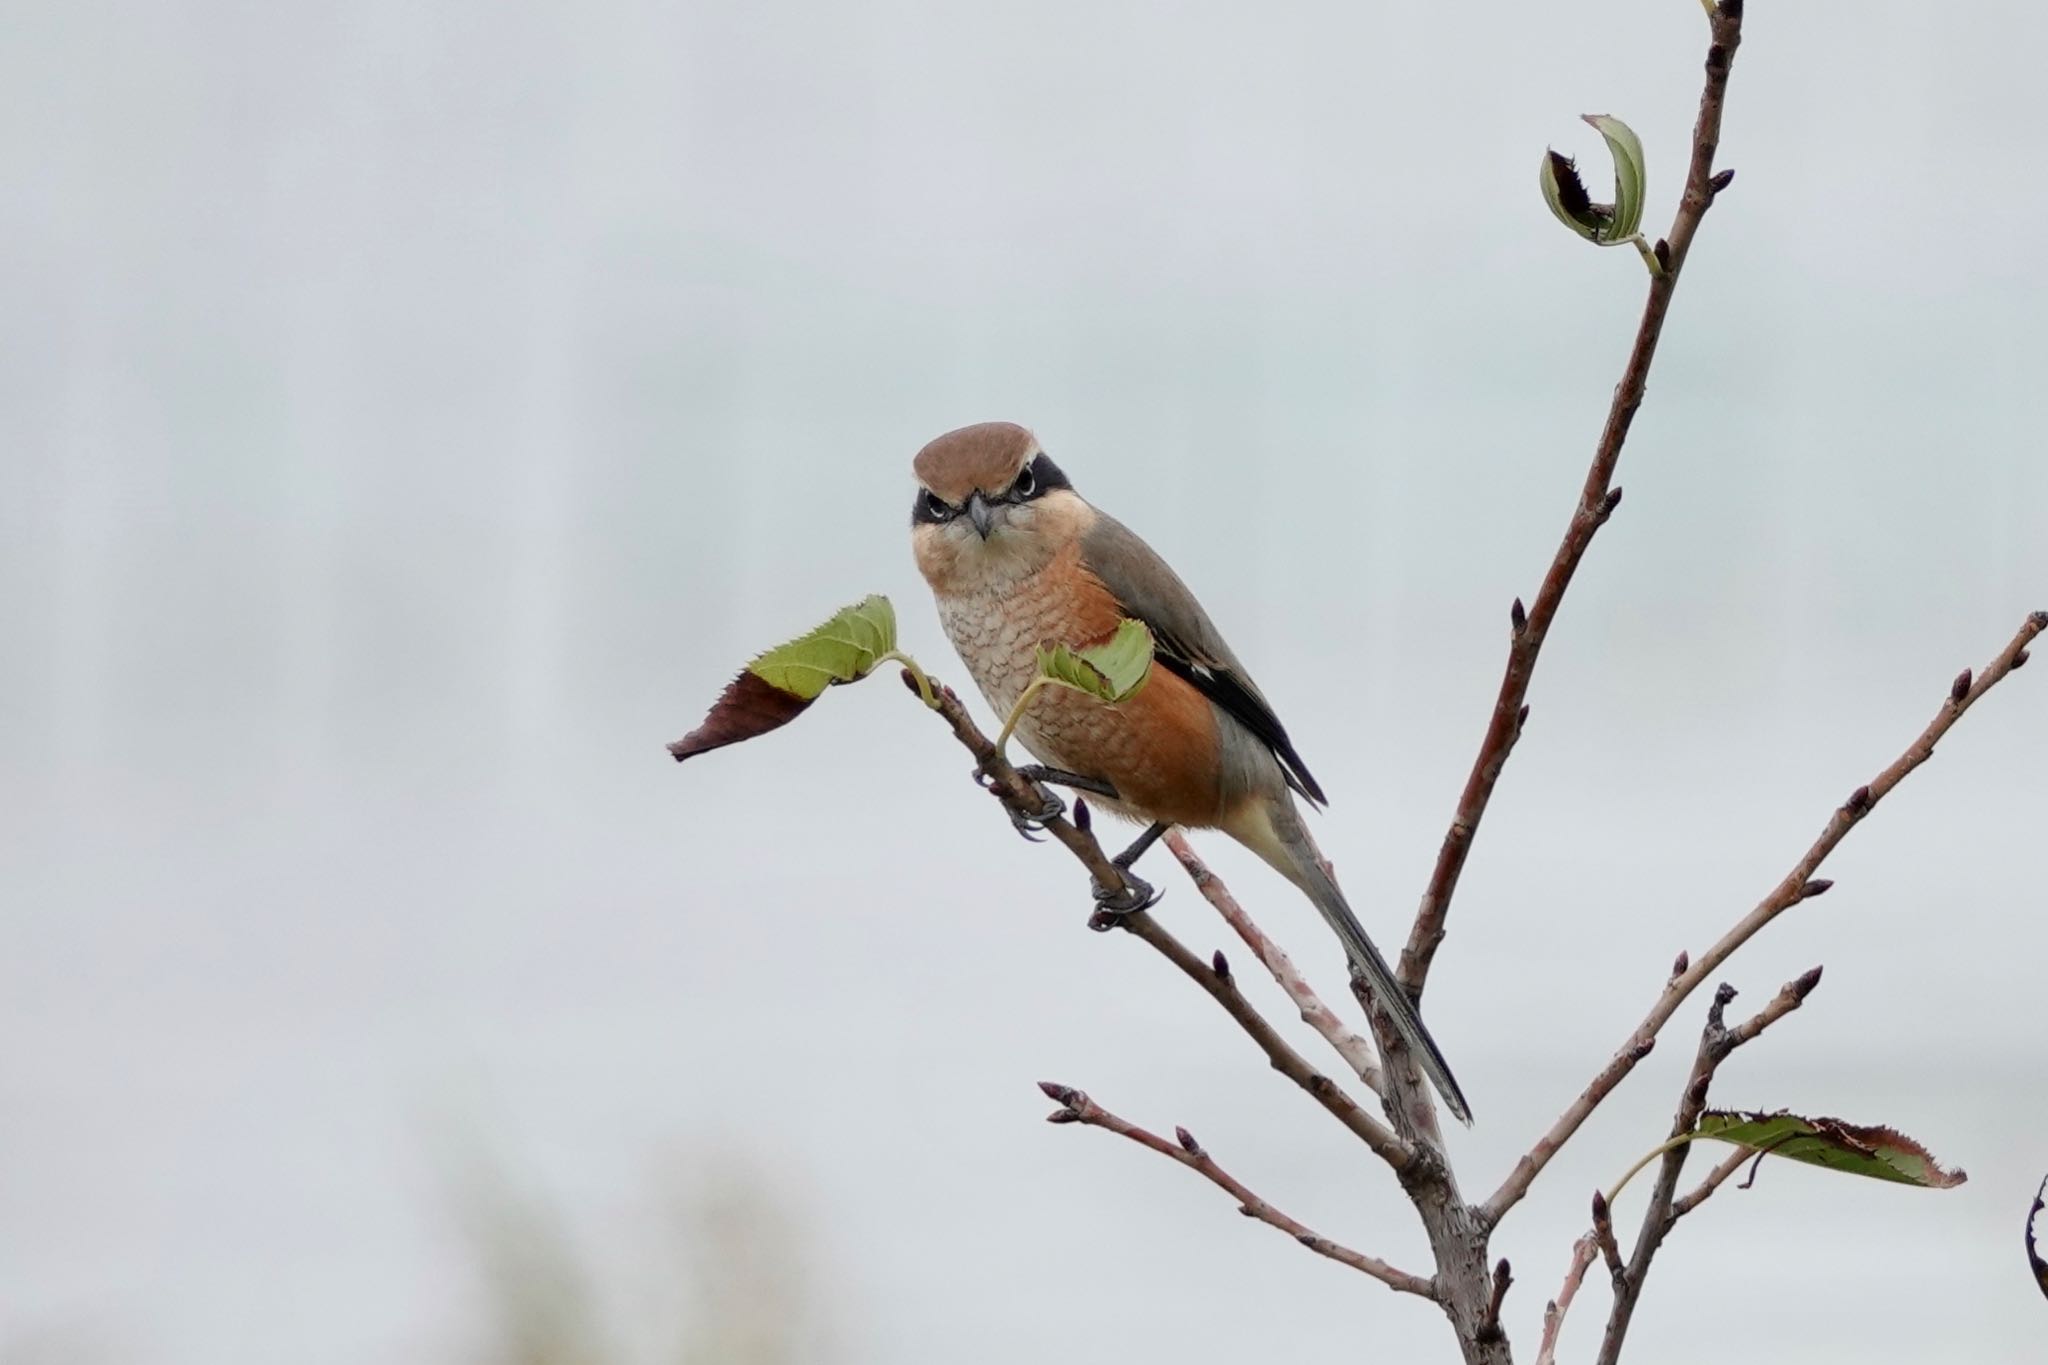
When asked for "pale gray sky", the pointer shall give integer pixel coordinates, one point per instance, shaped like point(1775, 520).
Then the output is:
point(411, 414)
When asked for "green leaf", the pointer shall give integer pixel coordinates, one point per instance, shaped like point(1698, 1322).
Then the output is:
point(1629, 175)
point(778, 685)
point(1565, 193)
point(1112, 671)
point(843, 650)
point(1880, 1153)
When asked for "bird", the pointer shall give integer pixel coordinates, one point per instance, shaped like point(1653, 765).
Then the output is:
point(1017, 560)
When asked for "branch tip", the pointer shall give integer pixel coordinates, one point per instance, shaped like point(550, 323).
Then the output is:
point(1518, 617)
point(1059, 1094)
point(1803, 987)
point(1960, 688)
point(1680, 963)
point(1084, 819)
point(1187, 1141)
point(1819, 886)
point(1721, 180)
point(1220, 965)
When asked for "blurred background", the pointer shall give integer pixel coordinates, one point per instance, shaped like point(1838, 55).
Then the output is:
point(411, 415)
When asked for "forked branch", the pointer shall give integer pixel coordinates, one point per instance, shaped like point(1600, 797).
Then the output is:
point(1598, 498)
point(1076, 1107)
point(1799, 884)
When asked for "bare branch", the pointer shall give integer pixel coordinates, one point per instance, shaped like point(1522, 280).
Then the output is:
point(1017, 793)
point(1716, 1178)
point(1503, 1279)
point(1078, 1108)
point(1717, 1041)
point(1554, 1311)
point(1279, 1052)
point(1348, 1043)
point(1597, 501)
point(1603, 1237)
point(1798, 885)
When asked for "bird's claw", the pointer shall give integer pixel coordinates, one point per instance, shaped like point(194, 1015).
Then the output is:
point(1111, 906)
point(1030, 824)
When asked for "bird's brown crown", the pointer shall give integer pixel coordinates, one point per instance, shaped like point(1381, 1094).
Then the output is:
point(986, 456)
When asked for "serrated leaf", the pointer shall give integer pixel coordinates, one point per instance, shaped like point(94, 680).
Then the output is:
point(843, 650)
point(2034, 1261)
point(1630, 175)
point(778, 685)
point(1112, 671)
point(1878, 1152)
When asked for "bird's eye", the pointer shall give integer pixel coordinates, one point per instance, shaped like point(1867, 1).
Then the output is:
point(1026, 485)
point(937, 508)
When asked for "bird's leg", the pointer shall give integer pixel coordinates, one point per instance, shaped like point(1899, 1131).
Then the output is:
point(1137, 893)
point(1038, 775)
point(1095, 786)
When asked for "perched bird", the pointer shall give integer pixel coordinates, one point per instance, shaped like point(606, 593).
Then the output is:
point(1017, 559)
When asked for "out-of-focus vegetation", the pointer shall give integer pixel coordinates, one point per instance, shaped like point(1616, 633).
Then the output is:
point(724, 1278)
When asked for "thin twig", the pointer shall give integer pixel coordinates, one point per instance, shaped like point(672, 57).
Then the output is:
point(1222, 987)
point(1716, 1178)
point(1603, 1237)
point(1798, 885)
point(1717, 1041)
point(1554, 1311)
point(1076, 1107)
point(1347, 1042)
point(1503, 1280)
point(1213, 977)
point(1597, 500)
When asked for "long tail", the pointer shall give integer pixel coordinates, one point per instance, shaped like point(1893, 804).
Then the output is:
point(1273, 829)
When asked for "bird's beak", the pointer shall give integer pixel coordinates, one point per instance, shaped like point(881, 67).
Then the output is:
point(980, 513)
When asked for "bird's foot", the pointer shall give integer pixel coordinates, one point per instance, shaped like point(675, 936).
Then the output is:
point(1112, 907)
point(1031, 824)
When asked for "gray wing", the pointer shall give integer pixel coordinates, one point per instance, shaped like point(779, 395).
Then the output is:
point(1189, 645)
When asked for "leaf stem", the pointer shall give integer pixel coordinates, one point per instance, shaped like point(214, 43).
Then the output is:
point(924, 684)
point(1024, 699)
point(1648, 1157)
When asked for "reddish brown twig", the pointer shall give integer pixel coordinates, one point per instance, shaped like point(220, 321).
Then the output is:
point(1715, 1178)
point(1554, 1311)
point(1076, 1107)
point(1597, 500)
point(1717, 1041)
point(1798, 885)
point(1018, 795)
point(1348, 1043)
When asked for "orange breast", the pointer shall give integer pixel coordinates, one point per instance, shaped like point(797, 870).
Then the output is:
point(1159, 748)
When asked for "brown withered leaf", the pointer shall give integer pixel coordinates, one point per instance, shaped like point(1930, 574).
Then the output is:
point(779, 684)
point(749, 706)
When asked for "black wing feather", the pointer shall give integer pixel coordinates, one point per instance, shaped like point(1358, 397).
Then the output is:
point(1188, 643)
point(1244, 705)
